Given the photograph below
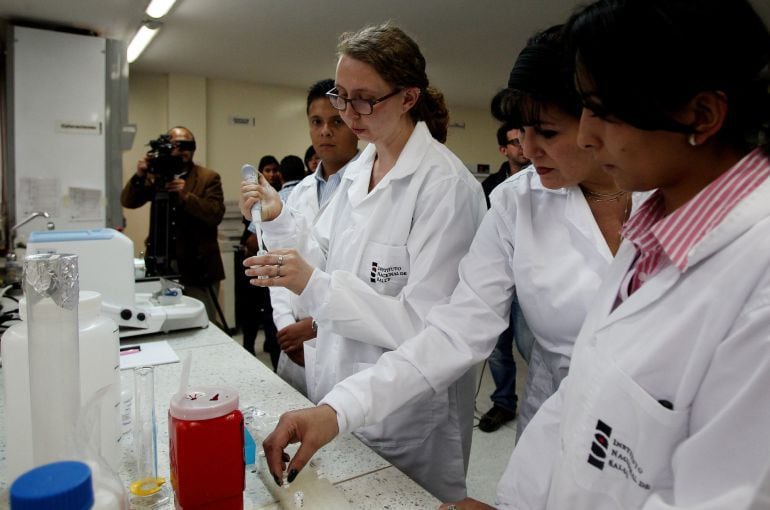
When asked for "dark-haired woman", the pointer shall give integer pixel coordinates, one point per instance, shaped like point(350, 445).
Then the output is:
point(387, 248)
point(667, 405)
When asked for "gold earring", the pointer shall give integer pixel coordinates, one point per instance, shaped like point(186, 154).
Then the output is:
point(692, 141)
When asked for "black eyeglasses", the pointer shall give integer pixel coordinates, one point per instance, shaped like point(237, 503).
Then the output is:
point(360, 106)
point(515, 142)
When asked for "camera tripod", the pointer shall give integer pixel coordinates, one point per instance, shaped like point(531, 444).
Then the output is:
point(161, 258)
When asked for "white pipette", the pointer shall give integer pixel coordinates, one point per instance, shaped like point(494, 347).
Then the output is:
point(249, 173)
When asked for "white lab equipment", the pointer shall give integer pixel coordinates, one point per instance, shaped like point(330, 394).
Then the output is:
point(107, 266)
point(98, 346)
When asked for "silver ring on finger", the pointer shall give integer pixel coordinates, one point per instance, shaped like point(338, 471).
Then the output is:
point(280, 260)
point(278, 271)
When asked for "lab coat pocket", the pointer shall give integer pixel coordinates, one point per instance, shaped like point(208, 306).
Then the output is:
point(410, 426)
point(627, 439)
point(309, 349)
point(384, 267)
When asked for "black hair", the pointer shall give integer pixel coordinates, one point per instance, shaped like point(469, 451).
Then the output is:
point(181, 127)
point(292, 168)
point(267, 160)
point(502, 133)
point(398, 60)
point(318, 90)
point(641, 61)
point(542, 76)
point(309, 153)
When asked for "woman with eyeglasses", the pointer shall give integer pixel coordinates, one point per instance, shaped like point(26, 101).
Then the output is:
point(384, 251)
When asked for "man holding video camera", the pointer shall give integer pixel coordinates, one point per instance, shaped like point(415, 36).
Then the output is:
point(187, 204)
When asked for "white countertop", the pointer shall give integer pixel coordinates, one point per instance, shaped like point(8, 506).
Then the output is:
point(366, 479)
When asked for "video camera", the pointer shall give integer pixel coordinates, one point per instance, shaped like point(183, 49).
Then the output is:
point(160, 161)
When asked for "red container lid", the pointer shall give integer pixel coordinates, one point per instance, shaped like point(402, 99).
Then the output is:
point(204, 403)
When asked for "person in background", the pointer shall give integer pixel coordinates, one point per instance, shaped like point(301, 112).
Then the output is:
point(270, 168)
point(546, 236)
point(253, 304)
point(197, 207)
point(386, 248)
point(502, 365)
point(311, 160)
point(337, 145)
point(292, 171)
point(509, 145)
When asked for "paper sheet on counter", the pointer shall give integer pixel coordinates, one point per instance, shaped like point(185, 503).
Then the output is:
point(146, 355)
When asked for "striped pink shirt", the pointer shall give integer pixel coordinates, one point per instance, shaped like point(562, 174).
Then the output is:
point(661, 240)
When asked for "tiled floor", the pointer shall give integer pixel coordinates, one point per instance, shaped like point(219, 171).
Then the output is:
point(489, 451)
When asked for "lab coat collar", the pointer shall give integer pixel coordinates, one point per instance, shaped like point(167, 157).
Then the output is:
point(408, 162)
point(750, 211)
point(645, 296)
point(537, 185)
point(579, 214)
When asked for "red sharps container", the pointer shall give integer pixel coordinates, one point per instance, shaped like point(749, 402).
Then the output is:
point(205, 430)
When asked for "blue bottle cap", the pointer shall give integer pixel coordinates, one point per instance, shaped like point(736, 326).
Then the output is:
point(61, 485)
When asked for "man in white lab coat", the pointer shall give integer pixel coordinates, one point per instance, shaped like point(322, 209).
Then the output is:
point(336, 144)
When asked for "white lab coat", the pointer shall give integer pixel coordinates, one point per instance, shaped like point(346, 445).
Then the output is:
point(544, 242)
point(303, 200)
point(386, 257)
point(699, 340)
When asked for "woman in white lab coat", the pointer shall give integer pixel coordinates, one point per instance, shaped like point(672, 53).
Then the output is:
point(666, 405)
point(385, 249)
point(551, 233)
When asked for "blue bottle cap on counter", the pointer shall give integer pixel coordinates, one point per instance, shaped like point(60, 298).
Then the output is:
point(61, 485)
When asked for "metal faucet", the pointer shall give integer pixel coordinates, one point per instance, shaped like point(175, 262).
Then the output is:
point(12, 245)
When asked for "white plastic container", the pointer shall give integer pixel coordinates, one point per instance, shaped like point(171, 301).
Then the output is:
point(99, 346)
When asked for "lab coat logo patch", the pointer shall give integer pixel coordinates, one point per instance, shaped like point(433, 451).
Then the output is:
point(382, 274)
point(599, 445)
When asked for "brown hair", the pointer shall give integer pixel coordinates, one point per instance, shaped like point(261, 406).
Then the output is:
point(398, 60)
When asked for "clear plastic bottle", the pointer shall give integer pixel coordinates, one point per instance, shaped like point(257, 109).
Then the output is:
point(50, 285)
point(99, 366)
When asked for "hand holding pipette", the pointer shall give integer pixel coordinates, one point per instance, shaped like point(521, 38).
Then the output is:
point(250, 175)
point(255, 189)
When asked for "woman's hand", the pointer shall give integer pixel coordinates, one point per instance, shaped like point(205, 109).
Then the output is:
point(466, 504)
point(312, 428)
point(251, 193)
point(283, 268)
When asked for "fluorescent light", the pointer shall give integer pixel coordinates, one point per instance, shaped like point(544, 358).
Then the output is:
point(159, 8)
point(140, 42)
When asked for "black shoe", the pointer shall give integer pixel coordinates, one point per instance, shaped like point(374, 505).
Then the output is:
point(494, 419)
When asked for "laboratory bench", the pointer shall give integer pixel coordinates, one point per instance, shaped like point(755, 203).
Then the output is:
point(365, 479)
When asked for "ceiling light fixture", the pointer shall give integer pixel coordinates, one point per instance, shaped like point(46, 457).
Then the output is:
point(159, 8)
point(140, 41)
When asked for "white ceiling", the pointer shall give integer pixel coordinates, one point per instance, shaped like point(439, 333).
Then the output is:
point(469, 46)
